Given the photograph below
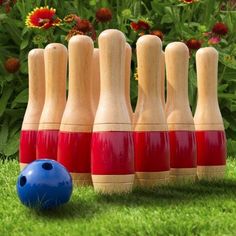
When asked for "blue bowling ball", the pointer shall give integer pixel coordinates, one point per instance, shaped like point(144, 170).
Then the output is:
point(44, 184)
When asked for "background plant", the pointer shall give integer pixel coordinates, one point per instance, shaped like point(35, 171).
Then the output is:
point(172, 20)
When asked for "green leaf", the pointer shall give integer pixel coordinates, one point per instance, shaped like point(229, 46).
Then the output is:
point(166, 19)
point(4, 99)
point(3, 135)
point(24, 44)
point(227, 95)
point(222, 87)
point(22, 97)
point(12, 145)
point(227, 60)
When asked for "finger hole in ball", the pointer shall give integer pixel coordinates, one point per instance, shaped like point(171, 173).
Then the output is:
point(47, 166)
point(23, 181)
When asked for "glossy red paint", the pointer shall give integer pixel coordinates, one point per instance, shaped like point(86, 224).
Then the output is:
point(47, 144)
point(151, 151)
point(183, 150)
point(74, 151)
point(27, 150)
point(112, 153)
point(211, 148)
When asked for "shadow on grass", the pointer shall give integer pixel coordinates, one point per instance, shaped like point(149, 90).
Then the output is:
point(73, 209)
point(171, 195)
point(174, 194)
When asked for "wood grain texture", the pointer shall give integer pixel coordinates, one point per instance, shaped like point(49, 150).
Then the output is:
point(36, 90)
point(55, 56)
point(78, 116)
point(163, 78)
point(81, 179)
point(178, 111)
point(128, 55)
point(95, 81)
point(151, 179)
point(112, 112)
point(182, 175)
point(149, 114)
point(207, 115)
point(116, 183)
point(211, 172)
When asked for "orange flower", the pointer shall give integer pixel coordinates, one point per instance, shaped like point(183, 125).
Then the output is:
point(12, 65)
point(43, 17)
point(70, 18)
point(158, 33)
point(103, 14)
point(73, 32)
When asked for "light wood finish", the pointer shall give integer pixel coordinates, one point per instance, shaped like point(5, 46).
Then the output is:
point(112, 113)
point(149, 114)
point(81, 179)
point(95, 81)
point(36, 90)
point(111, 188)
point(207, 115)
point(109, 184)
point(183, 174)
point(128, 55)
point(152, 175)
point(78, 116)
point(162, 76)
point(178, 111)
point(55, 56)
point(22, 166)
point(150, 183)
point(211, 172)
point(151, 179)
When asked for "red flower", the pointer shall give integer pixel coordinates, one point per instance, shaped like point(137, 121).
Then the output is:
point(42, 17)
point(103, 15)
point(134, 26)
point(193, 44)
point(220, 28)
point(158, 33)
point(12, 65)
point(189, 1)
point(143, 25)
point(140, 25)
point(84, 25)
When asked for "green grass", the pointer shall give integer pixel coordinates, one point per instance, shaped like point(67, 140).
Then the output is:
point(197, 209)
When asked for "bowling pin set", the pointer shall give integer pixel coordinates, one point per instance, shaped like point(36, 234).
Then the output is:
point(94, 132)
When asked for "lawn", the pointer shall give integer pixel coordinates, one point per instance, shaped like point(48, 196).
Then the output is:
point(196, 209)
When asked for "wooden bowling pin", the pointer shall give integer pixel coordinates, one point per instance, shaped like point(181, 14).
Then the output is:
point(27, 150)
point(112, 143)
point(74, 141)
point(95, 81)
point(55, 56)
point(128, 54)
point(210, 135)
point(162, 76)
point(151, 141)
point(179, 117)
